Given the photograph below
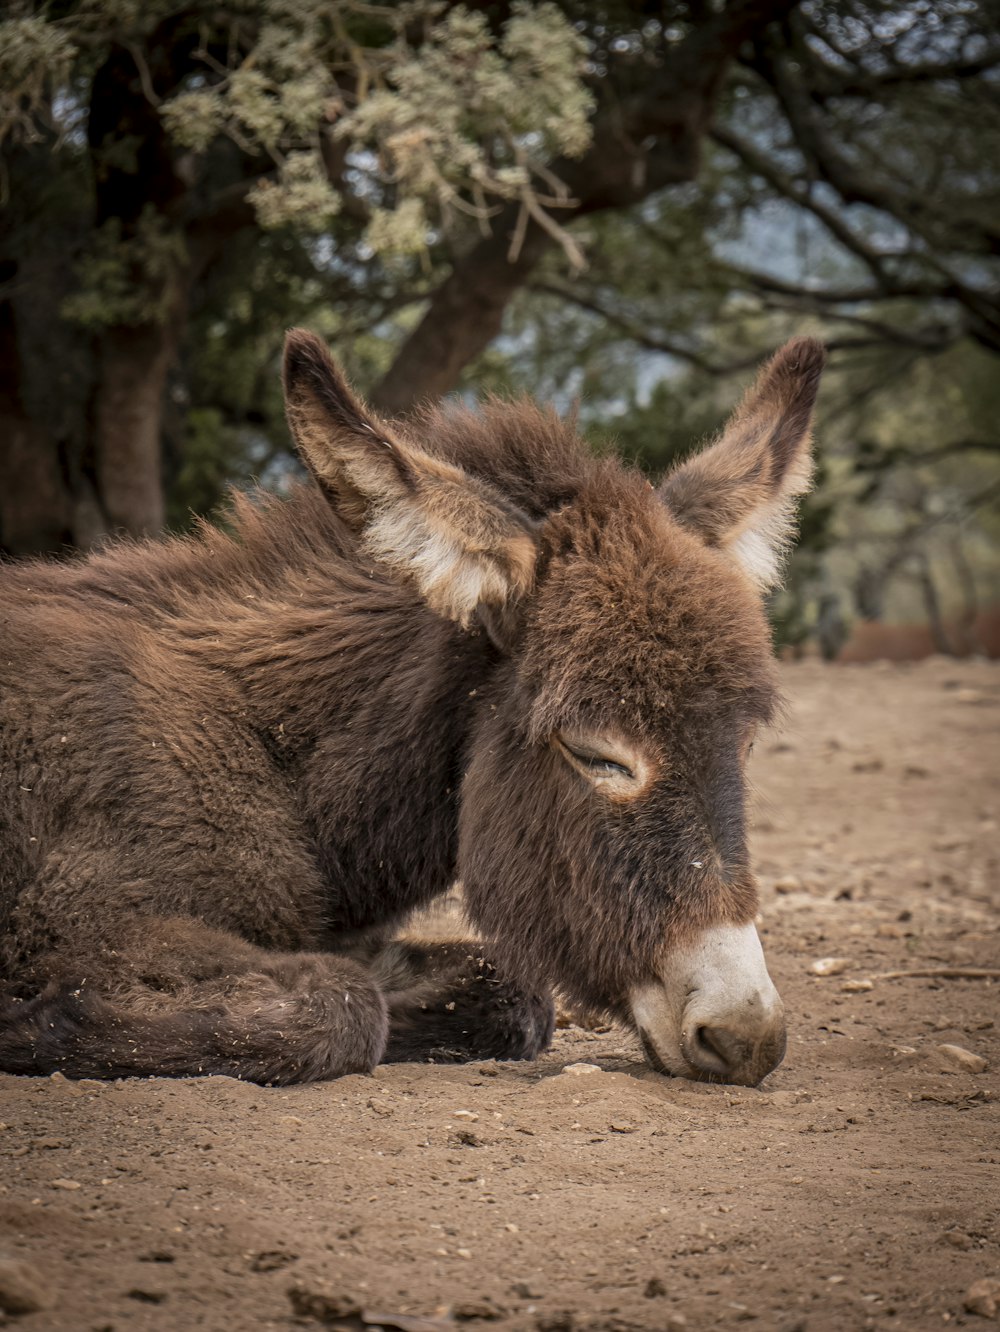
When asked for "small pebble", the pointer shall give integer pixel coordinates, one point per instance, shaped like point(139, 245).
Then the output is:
point(788, 883)
point(468, 1311)
point(962, 1058)
point(465, 1114)
point(524, 1291)
point(560, 1321)
point(322, 1302)
point(21, 1287)
point(887, 930)
point(68, 1184)
point(856, 986)
point(969, 696)
point(267, 1260)
point(580, 1070)
point(830, 966)
point(145, 1295)
point(958, 1239)
point(983, 1297)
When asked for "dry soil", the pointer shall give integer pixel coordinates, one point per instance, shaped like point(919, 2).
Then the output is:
point(858, 1188)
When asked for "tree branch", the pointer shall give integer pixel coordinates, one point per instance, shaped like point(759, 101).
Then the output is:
point(936, 337)
point(640, 335)
point(875, 458)
point(983, 314)
point(800, 193)
point(825, 296)
point(857, 81)
point(649, 140)
point(853, 184)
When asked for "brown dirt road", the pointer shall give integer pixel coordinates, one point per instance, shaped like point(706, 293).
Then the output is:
point(859, 1188)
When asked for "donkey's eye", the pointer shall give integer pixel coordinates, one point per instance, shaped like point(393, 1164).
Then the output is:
point(600, 766)
point(617, 770)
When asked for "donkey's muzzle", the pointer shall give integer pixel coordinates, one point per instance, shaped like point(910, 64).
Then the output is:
point(715, 1014)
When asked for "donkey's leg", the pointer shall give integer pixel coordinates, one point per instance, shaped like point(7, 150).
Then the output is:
point(176, 998)
point(447, 1003)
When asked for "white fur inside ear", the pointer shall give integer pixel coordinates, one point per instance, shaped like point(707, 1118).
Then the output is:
point(762, 545)
point(757, 558)
point(452, 580)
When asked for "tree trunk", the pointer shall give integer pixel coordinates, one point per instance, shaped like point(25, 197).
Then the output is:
point(35, 504)
point(128, 415)
point(36, 512)
point(49, 499)
point(465, 315)
point(133, 362)
point(966, 627)
point(932, 604)
point(869, 591)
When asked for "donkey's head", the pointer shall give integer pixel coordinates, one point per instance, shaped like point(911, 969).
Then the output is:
point(602, 838)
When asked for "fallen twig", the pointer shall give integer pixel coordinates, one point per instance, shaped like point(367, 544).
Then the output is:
point(941, 973)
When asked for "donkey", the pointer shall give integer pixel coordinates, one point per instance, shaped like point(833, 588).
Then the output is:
point(233, 764)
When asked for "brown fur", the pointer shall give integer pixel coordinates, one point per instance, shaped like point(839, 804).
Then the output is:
point(233, 764)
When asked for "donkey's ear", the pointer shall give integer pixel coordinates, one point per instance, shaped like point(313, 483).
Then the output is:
point(461, 542)
point(740, 492)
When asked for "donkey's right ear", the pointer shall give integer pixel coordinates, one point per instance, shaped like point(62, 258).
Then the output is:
point(338, 439)
point(464, 545)
point(740, 493)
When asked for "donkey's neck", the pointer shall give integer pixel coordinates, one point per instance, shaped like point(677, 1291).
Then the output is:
point(320, 638)
point(362, 698)
point(365, 699)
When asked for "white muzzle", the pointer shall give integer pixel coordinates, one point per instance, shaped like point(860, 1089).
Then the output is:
point(715, 1014)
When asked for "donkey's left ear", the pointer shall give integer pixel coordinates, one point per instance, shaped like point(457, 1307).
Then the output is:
point(740, 493)
point(462, 544)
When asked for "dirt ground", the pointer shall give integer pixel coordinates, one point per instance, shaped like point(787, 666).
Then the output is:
point(858, 1188)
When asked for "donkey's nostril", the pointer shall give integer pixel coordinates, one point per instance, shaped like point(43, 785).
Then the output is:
point(716, 1050)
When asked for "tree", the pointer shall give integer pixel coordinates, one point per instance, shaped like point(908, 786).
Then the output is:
point(186, 180)
point(143, 140)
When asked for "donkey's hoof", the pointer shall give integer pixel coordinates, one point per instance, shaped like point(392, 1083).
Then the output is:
point(481, 1019)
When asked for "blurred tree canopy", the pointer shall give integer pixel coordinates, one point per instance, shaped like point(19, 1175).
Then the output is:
point(626, 201)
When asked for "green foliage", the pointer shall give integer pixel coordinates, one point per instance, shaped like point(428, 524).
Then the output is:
point(35, 55)
point(656, 432)
point(439, 108)
point(127, 280)
point(212, 459)
point(374, 142)
point(301, 196)
point(465, 112)
point(436, 114)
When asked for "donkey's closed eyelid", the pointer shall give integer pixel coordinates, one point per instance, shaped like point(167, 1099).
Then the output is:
point(598, 764)
point(611, 767)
